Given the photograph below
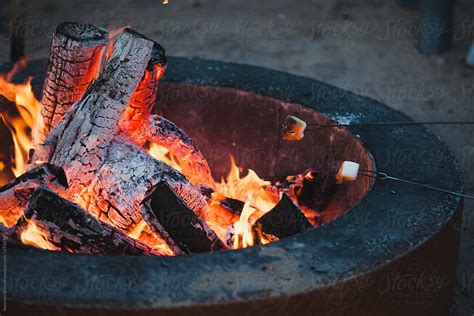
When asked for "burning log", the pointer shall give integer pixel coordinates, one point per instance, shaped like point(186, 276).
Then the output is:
point(284, 220)
point(114, 195)
point(75, 40)
point(108, 174)
point(85, 134)
point(232, 205)
point(15, 195)
point(170, 215)
point(143, 100)
point(140, 126)
point(320, 185)
point(68, 227)
point(162, 132)
point(75, 59)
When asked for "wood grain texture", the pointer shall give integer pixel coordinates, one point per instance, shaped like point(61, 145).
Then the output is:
point(70, 228)
point(15, 195)
point(74, 60)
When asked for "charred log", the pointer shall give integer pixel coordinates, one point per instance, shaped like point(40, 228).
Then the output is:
point(85, 135)
point(70, 228)
point(108, 174)
point(75, 58)
point(15, 195)
point(116, 191)
point(162, 132)
point(169, 215)
point(318, 187)
point(140, 126)
point(284, 220)
point(232, 205)
point(143, 99)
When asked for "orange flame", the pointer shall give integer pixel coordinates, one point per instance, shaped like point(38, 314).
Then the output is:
point(161, 153)
point(244, 235)
point(33, 236)
point(249, 188)
point(140, 232)
point(28, 108)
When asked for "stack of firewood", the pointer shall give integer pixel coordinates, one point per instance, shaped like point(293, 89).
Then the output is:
point(91, 186)
point(89, 161)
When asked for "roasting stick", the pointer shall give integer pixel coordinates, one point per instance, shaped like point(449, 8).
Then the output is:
point(319, 126)
point(384, 176)
point(294, 127)
point(349, 171)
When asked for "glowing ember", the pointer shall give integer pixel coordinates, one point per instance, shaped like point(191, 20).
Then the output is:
point(143, 232)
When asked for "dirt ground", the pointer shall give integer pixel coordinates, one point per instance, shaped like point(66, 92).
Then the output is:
point(368, 48)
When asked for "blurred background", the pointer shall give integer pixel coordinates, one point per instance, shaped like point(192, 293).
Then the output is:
point(385, 49)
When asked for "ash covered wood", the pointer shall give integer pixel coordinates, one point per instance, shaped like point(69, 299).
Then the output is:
point(99, 142)
point(140, 126)
point(143, 99)
point(284, 220)
point(170, 214)
point(108, 174)
point(134, 122)
point(75, 57)
point(120, 185)
point(15, 195)
point(70, 228)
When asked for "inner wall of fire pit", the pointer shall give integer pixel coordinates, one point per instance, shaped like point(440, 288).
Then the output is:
point(227, 121)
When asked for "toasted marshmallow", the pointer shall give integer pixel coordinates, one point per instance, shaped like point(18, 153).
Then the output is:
point(293, 128)
point(347, 172)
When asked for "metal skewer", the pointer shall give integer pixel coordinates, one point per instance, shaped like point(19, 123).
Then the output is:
point(293, 128)
point(319, 126)
point(384, 176)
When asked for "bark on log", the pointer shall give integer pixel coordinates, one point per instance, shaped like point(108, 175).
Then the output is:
point(167, 213)
point(284, 220)
point(70, 228)
point(15, 195)
point(75, 57)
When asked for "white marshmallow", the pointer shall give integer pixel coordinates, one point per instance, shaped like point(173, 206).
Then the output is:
point(347, 172)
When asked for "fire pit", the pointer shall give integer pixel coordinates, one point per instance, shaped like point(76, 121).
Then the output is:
point(385, 247)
